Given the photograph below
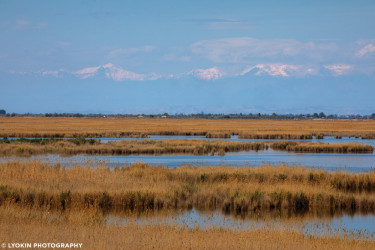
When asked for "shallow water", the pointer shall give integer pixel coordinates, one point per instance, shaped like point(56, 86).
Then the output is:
point(327, 139)
point(325, 161)
point(363, 225)
point(193, 218)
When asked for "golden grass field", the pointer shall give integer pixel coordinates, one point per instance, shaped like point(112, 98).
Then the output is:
point(24, 147)
point(123, 127)
point(42, 203)
point(144, 187)
point(52, 203)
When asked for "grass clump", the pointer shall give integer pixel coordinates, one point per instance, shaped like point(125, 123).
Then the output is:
point(292, 146)
point(26, 147)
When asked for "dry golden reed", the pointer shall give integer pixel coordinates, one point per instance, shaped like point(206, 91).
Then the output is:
point(143, 187)
point(191, 147)
point(130, 127)
point(322, 147)
point(63, 147)
point(89, 228)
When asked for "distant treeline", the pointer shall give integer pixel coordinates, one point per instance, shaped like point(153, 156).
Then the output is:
point(202, 115)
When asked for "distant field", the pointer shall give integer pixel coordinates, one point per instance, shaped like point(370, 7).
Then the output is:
point(133, 127)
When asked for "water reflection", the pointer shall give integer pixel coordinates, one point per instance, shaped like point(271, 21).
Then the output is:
point(326, 139)
point(338, 225)
point(325, 161)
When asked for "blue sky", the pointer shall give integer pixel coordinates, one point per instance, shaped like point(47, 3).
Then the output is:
point(187, 56)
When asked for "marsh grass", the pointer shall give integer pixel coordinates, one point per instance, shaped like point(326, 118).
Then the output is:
point(45, 203)
point(267, 136)
point(130, 127)
point(218, 134)
point(292, 146)
point(89, 227)
point(142, 187)
point(46, 141)
point(24, 147)
point(76, 146)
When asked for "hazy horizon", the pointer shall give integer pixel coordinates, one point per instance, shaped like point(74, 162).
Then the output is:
point(132, 57)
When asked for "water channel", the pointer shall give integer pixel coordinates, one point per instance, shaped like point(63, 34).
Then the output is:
point(338, 224)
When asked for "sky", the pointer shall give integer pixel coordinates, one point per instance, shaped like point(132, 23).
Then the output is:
point(187, 56)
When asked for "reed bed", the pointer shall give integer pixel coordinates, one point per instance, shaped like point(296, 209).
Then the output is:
point(266, 136)
point(131, 127)
point(89, 228)
point(143, 187)
point(292, 146)
point(26, 147)
point(218, 135)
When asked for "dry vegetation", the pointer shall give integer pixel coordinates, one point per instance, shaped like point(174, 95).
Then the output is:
point(143, 187)
point(25, 147)
point(93, 147)
point(292, 146)
point(89, 228)
point(130, 127)
point(44, 203)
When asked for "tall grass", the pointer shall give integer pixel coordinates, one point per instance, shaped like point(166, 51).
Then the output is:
point(93, 147)
point(143, 187)
point(322, 147)
point(28, 147)
point(218, 134)
point(89, 228)
point(130, 127)
point(44, 203)
point(276, 136)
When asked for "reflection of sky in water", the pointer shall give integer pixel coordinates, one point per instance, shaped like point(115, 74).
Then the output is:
point(327, 139)
point(206, 220)
point(326, 161)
